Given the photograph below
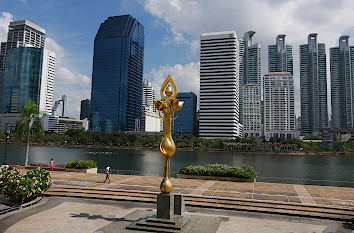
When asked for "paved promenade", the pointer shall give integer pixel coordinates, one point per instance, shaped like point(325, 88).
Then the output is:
point(325, 196)
point(242, 207)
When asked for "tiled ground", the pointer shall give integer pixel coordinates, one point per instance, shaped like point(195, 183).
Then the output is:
point(305, 194)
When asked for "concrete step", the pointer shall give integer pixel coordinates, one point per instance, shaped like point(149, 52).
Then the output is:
point(231, 204)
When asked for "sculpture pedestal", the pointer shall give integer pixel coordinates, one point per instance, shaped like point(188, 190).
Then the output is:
point(165, 205)
point(179, 206)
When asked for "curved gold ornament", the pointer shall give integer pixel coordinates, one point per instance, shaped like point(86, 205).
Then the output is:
point(163, 93)
point(168, 106)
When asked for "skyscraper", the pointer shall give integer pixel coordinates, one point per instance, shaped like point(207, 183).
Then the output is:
point(47, 82)
point(280, 56)
point(313, 87)
point(22, 33)
point(22, 78)
point(85, 109)
point(250, 86)
point(117, 76)
point(219, 85)
point(279, 105)
point(342, 84)
point(187, 116)
point(150, 120)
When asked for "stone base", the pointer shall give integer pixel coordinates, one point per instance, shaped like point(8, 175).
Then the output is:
point(179, 206)
point(146, 221)
point(175, 224)
point(165, 205)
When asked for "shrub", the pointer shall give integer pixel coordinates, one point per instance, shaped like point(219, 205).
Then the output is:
point(82, 164)
point(21, 188)
point(220, 170)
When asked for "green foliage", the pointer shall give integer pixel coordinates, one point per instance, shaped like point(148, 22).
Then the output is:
point(220, 170)
point(19, 188)
point(122, 139)
point(82, 164)
point(30, 120)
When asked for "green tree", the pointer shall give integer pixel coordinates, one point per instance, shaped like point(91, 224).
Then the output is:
point(29, 115)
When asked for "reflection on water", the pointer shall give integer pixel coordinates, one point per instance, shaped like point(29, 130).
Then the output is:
point(319, 167)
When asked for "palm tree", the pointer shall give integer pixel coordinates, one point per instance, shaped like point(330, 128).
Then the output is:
point(29, 115)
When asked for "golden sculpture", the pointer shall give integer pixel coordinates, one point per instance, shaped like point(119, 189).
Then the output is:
point(168, 105)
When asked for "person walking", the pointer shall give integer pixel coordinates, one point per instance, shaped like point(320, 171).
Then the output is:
point(107, 171)
point(52, 165)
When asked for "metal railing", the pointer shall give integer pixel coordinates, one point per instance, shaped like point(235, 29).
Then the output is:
point(337, 183)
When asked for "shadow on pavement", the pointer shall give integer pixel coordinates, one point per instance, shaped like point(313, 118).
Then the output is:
point(349, 225)
point(88, 216)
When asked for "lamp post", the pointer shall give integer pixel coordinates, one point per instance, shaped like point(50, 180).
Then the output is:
point(7, 134)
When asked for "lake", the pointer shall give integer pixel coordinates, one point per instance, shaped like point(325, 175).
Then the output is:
point(301, 169)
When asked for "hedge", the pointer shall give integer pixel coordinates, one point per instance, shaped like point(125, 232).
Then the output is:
point(82, 164)
point(220, 170)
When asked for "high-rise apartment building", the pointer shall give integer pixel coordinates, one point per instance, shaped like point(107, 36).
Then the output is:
point(342, 84)
point(117, 77)
point(186, 121)
point(250, 86)
point(47, 82)
point(279, 105)
point(280, 56)
point(85, 109)
point(150, 120)
point(219, 85)
point(313, 87)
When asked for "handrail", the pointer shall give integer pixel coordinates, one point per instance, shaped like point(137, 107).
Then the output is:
point(173, 174)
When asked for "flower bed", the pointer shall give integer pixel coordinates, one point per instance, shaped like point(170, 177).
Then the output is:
point(219, 170)
point(20, 188)
point(47, 165)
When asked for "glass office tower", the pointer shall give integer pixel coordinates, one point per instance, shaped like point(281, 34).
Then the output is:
point(342, 84)
point(22, 78)
point(313, 87)
point(117, 76)
point(187, 117)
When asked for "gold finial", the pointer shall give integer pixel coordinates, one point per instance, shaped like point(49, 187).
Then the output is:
point(168, 106)
point(167, 83)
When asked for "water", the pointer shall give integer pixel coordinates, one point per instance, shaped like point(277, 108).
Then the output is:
point(302, 169)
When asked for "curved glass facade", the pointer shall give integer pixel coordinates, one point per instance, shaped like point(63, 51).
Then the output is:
point(22, 78)
point(117, 75)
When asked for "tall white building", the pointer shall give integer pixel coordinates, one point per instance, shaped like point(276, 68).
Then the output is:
point(47, 82)
point(150, 120)
point(250, 86)
point(251, 110)
point(279, 105)
point(219, 85)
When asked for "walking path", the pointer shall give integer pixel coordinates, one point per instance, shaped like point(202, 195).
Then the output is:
point(243, 207)
point(328, 196)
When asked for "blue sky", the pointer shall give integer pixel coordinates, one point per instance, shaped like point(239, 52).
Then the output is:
point(172, 30)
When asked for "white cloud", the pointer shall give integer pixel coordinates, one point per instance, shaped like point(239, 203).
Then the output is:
point(296, 19)
point(5, 19)
point(185, 76)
